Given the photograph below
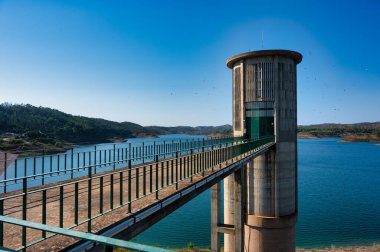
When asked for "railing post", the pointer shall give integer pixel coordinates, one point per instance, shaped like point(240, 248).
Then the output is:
point(176, 170)
point(172, 171)
point(58, 164)
point(150, 178)
point(154, 148)
point(227, 153)
point(164, 149)
point(220, 155)
point(111, 190)
point(72, 163)
point(61, 206)
point(44, 211)
point(78, 162)
point(180, 146)
point(1, 224)
point(76, 202)
point(212, 158)
point(43, 167)
point(129, 186)
point(24, 207)
point(101, 194)
point(167, 172)
point(191, 165)
point(114, 156)
point(130, 151)
point(144, 180)
point(34, 168)
point(137, 181)
point(156, 159)
point(203, 159)
point(89, 194)
point(180, 168)
point(16, 170)
point(5, 171)
point(95, 159)
point(143, 153)
point(65, 163)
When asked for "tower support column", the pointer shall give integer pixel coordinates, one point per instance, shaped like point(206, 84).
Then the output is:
point(239, 190)
point(215, 217)
point(229, 211)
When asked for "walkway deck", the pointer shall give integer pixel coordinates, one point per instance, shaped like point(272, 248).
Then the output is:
point(95, 202)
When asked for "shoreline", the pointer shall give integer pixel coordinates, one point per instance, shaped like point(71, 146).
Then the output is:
point(354, 248)
point(343, 139)
point(357, 248)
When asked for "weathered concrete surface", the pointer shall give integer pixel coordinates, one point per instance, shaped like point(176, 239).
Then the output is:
point(215, 218)
point(229, 210)
point(269, 76)
point(264, 190)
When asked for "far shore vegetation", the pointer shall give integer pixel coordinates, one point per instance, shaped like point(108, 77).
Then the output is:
point(30, 130)
point(359, 132)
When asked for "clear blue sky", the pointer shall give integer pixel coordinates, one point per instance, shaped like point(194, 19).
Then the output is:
point(163, 62)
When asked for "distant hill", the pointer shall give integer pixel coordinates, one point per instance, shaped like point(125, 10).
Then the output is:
point(358, 132)
point(29, 128)
point(40, 121)
point(26, 127)
point(199, 130)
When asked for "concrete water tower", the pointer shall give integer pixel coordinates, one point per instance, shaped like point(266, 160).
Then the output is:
point(265, 103)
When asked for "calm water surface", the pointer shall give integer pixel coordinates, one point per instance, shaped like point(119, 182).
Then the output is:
point(339, 200)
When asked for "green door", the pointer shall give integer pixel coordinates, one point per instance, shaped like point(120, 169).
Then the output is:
point(259, 119)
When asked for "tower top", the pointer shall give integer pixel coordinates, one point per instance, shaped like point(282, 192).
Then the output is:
point(287, 53)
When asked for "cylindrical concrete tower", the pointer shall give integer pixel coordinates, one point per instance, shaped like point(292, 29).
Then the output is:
point(265, 103)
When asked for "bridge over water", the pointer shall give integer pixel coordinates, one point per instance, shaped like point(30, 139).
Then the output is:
point(98, 199)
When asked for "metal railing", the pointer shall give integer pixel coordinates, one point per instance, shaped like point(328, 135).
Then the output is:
point(72, 164)
point(108, 242)
point(80, 201)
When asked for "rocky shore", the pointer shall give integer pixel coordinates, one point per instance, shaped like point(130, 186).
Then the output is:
point(373, 248)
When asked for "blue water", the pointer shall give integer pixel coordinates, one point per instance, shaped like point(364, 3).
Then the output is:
point(58, 166)
point(339, 200)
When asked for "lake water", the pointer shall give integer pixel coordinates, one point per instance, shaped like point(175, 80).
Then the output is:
point(108, 156)
point(339, 200)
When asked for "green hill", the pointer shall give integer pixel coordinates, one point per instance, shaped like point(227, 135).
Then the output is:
point(358, 132)
point(199, 130)
point(29, 128)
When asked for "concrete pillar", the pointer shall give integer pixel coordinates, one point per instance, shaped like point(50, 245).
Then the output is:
point(229, 210)
point(239, 209)
point(215, 217)
point(250, 186)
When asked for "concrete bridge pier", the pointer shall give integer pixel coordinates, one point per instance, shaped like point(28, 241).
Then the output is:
point(233, 226)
